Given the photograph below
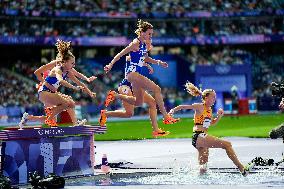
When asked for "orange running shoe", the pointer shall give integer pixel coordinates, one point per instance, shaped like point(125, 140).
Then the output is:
point(170, 120)
point(48, 113)
point(110, 97)
point(51, 123)
point(103, 118)
point(159, 133)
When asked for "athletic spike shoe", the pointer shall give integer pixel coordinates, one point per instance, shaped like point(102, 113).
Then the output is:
point(23, 120)
point(48, 112)
point(170, 120)
point(82, 122)
point(110, 97)
point(103, 118)
point(159, 133)
point(248, 168)
point(51, 123)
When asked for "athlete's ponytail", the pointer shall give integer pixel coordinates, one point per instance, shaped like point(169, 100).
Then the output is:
point(194, 91)
point(63, 48)
point(191, 89)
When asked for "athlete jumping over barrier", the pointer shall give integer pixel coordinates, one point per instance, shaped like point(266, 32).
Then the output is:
point(126, 89)
point(138, 52)
point(54, 101)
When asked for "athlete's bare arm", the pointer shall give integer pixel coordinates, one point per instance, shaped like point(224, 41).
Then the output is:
point(73, 78)
point(58, 74)
point(82, 76)
point(38, 73)
point(220, 114)
point(198, 107)
point(133, 46)
point(154, 61)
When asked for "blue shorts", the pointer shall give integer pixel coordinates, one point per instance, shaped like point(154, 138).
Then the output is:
point(125, 82)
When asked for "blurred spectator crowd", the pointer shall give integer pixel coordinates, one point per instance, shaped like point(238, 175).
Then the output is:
point(162, 28)
point(27, 17)
point(15, 91)
point(149, 8)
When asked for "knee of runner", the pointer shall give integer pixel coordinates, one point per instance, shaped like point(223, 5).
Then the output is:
point(71, 104)
point(131, 78)
point(138, 102)
point(157, 89)
point(227, 144)
point(152, 104)
point(129, 114)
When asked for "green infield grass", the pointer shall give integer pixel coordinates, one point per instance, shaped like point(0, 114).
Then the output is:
point(243, 126)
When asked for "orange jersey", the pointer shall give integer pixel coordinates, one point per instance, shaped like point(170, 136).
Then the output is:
point(204, 118)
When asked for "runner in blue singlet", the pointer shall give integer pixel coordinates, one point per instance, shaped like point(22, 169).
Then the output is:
point(138, 52)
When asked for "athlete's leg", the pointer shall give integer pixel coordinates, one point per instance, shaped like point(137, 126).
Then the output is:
point(128, 108)
point(208, 141)
point(58, 102)
point(36, 118)
point(139, 84)
point(148, 99)
point(140, 81)
point(137, 99)
point(203, 154)
point(71, 110)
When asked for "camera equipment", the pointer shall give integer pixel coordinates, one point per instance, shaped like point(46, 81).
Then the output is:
point(52, 181)
point(5, 182)
point(259, 161)
point(277, 89)
point(277, 132)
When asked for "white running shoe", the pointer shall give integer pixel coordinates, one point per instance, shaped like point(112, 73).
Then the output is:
point(248, 168)
point(82, 122)
point(23, 120)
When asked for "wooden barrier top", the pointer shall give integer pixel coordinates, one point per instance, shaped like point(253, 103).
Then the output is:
point(12, 133)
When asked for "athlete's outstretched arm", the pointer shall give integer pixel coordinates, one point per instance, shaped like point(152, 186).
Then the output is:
point(58, 74)
point(154, 61)
point(73, 78)
point(151, 70)
point(82, 76)
point(194, 106)
point(38, 73)
point(131, 47)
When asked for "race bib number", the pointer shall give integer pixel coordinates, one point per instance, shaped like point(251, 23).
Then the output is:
point(132, 68)
point(141, 61)
point(207, 122)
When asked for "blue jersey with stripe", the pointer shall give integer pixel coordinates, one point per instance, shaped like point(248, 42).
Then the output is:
point(136, 60)
point(52, 80)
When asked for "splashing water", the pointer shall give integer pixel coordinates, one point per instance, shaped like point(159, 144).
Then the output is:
point(188, 176)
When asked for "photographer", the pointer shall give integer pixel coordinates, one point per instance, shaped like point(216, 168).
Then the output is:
point(278, 90)
point(281, 105)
